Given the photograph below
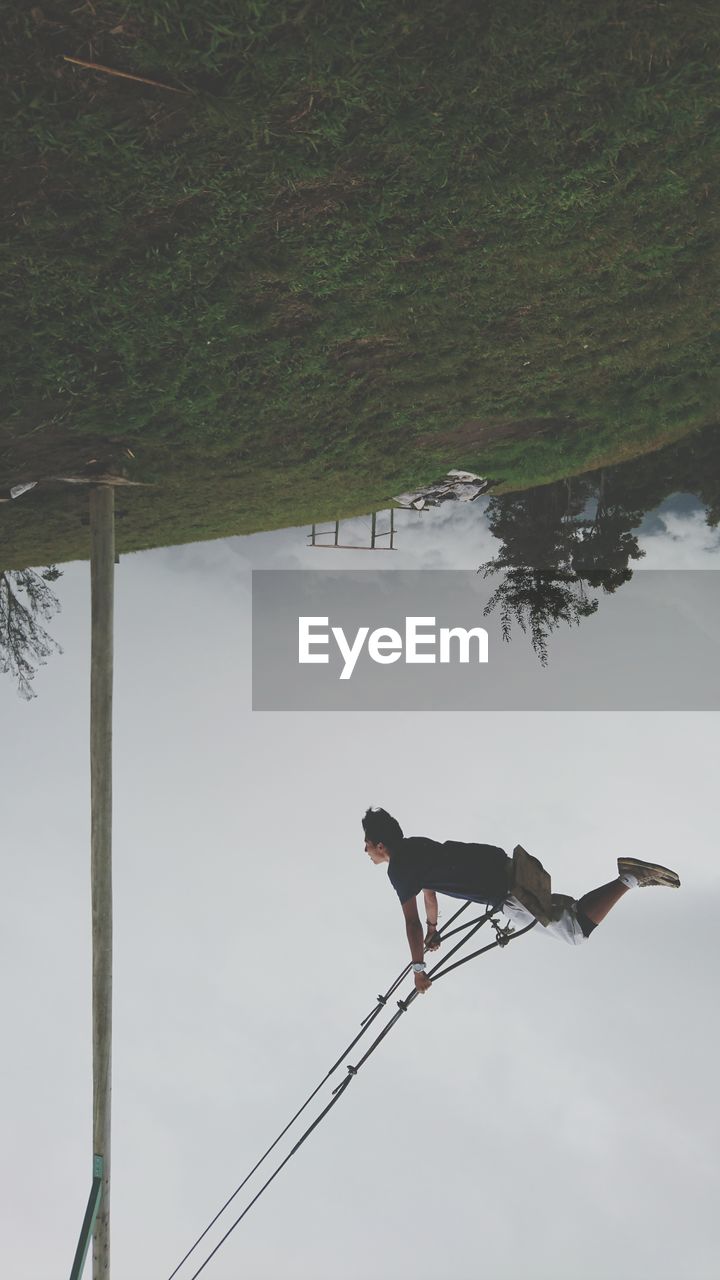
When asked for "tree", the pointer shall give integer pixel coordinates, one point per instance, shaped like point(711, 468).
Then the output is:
point(551, 548)
point(26, 601)
point(538, 527)
point(538, 601)
point(562, 538)
point(604, 546)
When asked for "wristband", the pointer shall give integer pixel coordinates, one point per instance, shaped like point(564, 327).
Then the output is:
point(419, 968)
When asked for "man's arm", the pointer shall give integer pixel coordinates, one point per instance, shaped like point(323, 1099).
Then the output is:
point(414, 931)
point(432, 942)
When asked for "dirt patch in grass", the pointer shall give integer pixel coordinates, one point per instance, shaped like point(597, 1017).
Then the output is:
point(307, 202)
point(479, 435)
point(358, 357)
point(52, 450)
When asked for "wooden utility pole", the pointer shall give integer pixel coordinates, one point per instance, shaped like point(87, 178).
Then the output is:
point(102, 568)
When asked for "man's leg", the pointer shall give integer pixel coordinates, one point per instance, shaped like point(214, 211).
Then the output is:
point(633, 873)
point(596, 904)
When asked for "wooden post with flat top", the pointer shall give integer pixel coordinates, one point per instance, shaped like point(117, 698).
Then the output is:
point(102, 568)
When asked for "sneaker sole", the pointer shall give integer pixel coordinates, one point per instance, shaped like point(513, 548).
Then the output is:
point(660, 875)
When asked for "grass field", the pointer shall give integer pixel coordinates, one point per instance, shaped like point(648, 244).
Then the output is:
point(364, 244)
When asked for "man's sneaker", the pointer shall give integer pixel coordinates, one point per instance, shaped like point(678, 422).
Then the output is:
point(647, 873)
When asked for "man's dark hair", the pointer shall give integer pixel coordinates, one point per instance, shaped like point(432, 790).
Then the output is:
point(381, 828)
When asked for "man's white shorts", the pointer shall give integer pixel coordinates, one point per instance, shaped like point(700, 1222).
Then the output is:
point(567, 927)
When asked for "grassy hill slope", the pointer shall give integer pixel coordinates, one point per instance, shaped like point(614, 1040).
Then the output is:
point(362, 245)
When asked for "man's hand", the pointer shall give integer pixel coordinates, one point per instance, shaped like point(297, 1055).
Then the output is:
point(414, 932)
point(432, 938)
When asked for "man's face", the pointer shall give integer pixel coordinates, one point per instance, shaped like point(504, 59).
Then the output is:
point(377, 853)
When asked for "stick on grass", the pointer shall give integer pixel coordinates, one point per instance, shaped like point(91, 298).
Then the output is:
point(124, 75)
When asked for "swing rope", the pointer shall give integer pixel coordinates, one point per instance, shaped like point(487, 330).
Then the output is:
point(365, 1025)
point(504, 936)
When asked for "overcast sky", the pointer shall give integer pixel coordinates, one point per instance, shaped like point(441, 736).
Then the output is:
point(544, 1109)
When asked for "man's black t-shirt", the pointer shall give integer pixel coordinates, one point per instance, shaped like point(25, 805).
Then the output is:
point(478, 872)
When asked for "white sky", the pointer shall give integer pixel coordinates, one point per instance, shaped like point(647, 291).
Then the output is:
point(545, 1111)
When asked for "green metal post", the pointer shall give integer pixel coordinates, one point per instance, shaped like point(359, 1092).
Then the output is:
point(88, 1225)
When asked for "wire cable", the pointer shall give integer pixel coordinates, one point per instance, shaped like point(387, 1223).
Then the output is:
point(501, 940)
point(365, 1026)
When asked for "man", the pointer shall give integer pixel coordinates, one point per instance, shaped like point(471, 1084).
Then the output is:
point(483, 873)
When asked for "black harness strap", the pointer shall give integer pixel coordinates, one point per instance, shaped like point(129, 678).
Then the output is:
point(501, 941)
